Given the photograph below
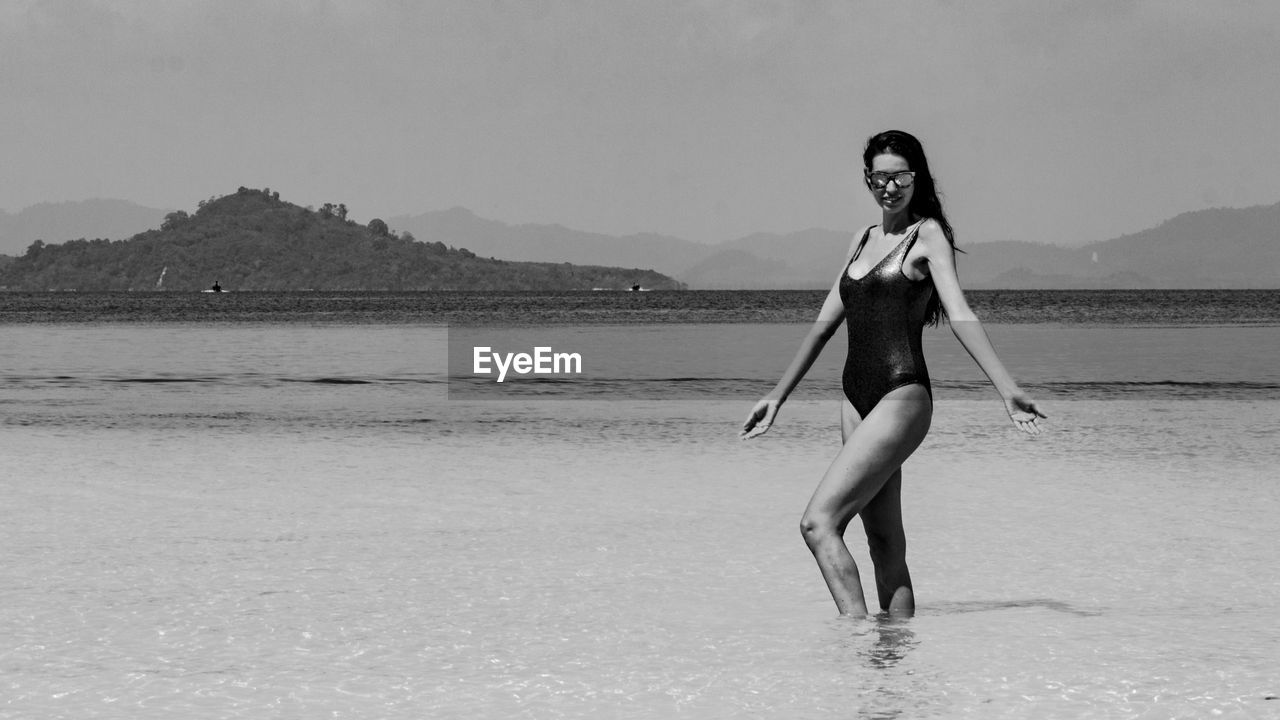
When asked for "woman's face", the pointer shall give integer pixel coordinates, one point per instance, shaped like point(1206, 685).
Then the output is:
point(883, 181)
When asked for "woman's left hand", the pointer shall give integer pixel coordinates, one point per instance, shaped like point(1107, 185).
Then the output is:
point(761, 418)
point(1023, 412)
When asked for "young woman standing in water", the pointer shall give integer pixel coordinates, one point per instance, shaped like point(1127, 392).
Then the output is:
point(898, 276)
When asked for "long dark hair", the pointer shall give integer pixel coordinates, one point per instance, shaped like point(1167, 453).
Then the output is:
point(925, 202)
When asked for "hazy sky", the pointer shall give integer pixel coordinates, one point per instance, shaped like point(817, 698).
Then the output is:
point(1062, 122)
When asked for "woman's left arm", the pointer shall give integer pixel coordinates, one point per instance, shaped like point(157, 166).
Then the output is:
point(939, 255)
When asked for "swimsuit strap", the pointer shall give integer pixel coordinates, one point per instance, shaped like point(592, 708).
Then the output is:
point(866, 235)
point(911, 239)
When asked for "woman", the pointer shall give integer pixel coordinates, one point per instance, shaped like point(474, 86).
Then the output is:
point(898, 277)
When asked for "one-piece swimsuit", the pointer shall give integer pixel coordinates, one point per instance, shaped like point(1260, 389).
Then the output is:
point(885, 311)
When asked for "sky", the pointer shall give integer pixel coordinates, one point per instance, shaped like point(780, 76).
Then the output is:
point(1051, 122)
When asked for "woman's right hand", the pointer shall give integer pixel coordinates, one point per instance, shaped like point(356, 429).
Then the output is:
point(760, 418)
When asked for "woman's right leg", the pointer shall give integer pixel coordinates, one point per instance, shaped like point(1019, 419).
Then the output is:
point(871, 454)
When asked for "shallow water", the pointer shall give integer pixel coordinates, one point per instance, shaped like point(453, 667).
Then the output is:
point(628, 574)
point(294, 520)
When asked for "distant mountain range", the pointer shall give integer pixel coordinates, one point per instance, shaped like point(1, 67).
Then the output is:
point(1215, 248)
point(55, 222)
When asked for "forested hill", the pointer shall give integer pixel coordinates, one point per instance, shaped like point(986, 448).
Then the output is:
point(252, 240)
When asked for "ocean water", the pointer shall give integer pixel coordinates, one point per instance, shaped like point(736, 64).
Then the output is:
point(293, 512)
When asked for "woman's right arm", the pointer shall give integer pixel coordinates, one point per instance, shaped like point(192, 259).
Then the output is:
point(760, 419)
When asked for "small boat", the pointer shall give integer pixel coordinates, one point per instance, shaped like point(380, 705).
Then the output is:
point(215, 289)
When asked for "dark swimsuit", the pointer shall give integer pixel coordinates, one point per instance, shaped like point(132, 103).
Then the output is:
point(885, 312)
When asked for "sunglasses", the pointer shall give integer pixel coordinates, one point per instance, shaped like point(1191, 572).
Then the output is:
point(881, 180)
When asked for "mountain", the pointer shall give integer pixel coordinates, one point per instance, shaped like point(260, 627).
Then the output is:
point(552, 243)
point(55, 222)
point(739, 270)
point(756, 262)
point(251, 240)
point(1215, 248)
point(805, 260)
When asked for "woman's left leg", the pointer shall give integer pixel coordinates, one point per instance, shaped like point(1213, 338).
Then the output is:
point(887, 542)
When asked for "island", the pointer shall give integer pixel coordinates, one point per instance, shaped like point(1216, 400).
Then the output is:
point(253, 240)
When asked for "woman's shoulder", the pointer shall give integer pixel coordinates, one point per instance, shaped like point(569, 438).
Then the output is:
point(932, 236)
